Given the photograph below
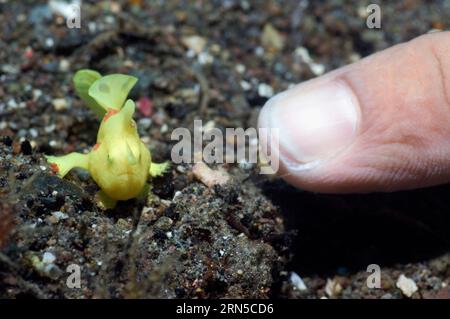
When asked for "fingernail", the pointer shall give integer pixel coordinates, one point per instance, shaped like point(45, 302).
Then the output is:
point(314, 121)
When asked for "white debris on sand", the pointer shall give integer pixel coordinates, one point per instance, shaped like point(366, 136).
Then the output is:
point(271, 38)
point(406, 285)
point(208, 176)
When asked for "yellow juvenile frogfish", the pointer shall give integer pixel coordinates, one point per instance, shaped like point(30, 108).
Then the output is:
point(119, 162)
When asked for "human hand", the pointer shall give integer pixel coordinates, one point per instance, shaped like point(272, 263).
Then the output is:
point(381, 124)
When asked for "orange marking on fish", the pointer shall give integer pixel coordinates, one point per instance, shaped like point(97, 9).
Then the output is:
point(54, 167)
point(96, 146)
point(110, 113)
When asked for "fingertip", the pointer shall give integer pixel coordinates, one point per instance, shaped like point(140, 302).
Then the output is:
point(380, 124)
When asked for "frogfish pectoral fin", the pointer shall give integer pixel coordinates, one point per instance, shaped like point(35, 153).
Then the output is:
point(158, 169)
point(63, 164)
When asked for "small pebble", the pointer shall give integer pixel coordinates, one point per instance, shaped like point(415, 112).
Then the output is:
point(64, 65)
point(49, 128)
point(316, 68)
point(145, 106)
point(333, 288)
point(12, 104)
point(63, 8)
point(48, 258)
point(53, 220)
point(406, 285)
point(145, 123)
point(265, 90)
point(59, 104)
point(195, 43)
point(164, 223)
point(245, 85)
point(240, 68)
point(145, 140)
point(110, 20)
point(181, 169)
point(49, 42)
point(54, 143)
point(272, 39)
point(21, 17)
point(190, 53)
point(205, 58)
point(60, 215)
point(33, 132)
point(10, 69)
point(177, 193)
point(92, 26)
point(297, 282)
point(36, 94)
point(259, 51)
point(245, 165)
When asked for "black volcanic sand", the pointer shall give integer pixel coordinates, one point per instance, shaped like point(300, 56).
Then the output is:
point(240, 240)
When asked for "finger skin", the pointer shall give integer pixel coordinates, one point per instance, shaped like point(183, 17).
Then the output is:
point(403, 138)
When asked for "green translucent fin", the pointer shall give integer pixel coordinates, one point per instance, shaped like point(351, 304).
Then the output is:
point(111, 91)
point(82, 81)
point(104, 201)
point(63, 164)
point(158, 169)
